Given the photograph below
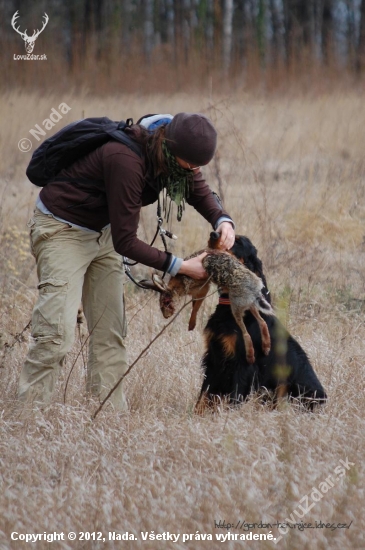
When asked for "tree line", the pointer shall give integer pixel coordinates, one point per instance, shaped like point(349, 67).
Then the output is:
point(228, 36)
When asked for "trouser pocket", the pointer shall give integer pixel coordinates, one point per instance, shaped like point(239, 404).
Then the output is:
point(44, 227)
point(49, 312)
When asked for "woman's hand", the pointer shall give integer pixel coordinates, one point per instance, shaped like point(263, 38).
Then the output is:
point(194, 267)
point(226, 240)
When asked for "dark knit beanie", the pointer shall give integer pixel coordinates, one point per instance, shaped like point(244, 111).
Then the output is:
point(191, 137)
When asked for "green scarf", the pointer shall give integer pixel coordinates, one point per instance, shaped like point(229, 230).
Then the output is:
point(177, 184)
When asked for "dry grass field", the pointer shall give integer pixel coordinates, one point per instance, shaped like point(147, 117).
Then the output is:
point(292, 174)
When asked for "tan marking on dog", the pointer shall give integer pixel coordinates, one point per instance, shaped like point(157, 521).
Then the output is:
point(229, 343)
point(208, 335)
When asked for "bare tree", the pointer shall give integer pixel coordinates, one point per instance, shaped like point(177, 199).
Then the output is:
point(209, 29)
point(360, 57)
point(125, 25)
point(327, 31)
point(227, 34)
point(186, 29)
point(148, 28)
point(170, 17)
point(299, 22)
point(351, 33)
point(276, 31)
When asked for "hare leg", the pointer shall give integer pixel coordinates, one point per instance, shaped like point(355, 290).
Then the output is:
point(250, 352)
point(265, 335)
point(198, 298)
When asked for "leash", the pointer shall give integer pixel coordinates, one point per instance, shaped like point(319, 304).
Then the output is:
point(159, 231)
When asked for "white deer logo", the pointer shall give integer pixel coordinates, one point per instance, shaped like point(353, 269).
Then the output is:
point(29, 40)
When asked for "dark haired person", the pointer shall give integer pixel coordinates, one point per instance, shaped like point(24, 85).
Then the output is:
point(84, 223)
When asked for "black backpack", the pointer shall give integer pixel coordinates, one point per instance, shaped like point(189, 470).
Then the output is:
point(73, 142)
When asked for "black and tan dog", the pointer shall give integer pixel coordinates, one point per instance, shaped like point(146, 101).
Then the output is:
point(286, 370)
point(241, 357)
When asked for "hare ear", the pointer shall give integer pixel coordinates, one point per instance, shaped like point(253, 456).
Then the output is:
point(159, 283)
point(156, 284)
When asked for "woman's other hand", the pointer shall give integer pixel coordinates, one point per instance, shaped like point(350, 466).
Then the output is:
point(194, 267)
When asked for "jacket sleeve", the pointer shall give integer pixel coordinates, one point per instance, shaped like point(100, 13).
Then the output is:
point(124, 183)
point(204, 202)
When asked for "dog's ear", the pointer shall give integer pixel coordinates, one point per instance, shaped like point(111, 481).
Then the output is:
point(265, 291)
point(259, 272)
point(245, 251)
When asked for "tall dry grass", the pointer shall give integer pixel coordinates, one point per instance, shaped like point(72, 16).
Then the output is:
point(292, 175)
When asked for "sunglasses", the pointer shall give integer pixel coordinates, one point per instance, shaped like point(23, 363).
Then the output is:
point(186, 165)
point(193, 167)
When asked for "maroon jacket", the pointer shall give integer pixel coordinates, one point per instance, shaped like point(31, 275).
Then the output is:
point(110, 185)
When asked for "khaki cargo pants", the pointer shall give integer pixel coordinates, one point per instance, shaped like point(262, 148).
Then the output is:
point(74, 265)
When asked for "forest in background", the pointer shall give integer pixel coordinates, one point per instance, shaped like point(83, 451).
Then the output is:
point(291, 167)
point(150, 45)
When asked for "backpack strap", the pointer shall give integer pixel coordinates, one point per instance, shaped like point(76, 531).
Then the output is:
point(119, 134)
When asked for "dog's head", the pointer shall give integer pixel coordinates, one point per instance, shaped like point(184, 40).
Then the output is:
point(245, 252)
